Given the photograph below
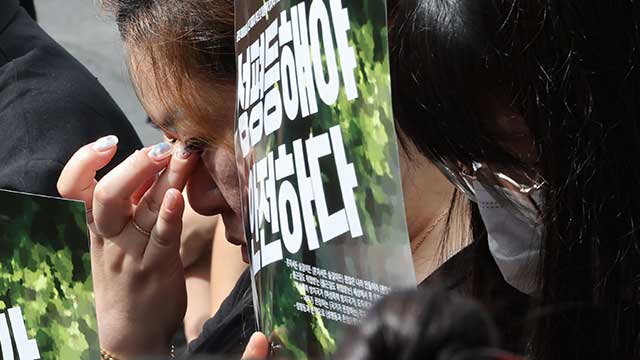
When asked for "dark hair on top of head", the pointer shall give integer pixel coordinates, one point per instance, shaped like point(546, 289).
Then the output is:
point(568, 70)
point(126, 10)
point(422, 324)
point(189, 47)
point(206, 27)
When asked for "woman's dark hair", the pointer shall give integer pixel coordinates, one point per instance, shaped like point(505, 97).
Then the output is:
point(422, 324)
point(188, 45)
point(465, 71)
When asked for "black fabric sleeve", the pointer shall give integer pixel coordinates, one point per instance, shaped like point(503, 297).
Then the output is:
point(228, 331)
point(29, 7)
point(50, 106)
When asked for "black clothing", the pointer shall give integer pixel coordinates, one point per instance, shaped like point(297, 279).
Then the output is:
point(29, 7)
point(228, 332)
point(50, 106)
point(474, 274)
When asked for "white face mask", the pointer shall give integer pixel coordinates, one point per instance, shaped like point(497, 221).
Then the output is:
point(514, 243)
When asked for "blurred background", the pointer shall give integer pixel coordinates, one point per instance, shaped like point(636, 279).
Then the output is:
point(92, 37)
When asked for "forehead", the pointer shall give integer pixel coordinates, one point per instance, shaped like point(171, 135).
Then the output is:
point(195, 106)
point(159, 102)
point(143, 76)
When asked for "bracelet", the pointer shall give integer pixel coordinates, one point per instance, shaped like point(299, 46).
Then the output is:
point(105, 355)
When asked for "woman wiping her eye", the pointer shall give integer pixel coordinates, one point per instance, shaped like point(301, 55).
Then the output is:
point(183, 64)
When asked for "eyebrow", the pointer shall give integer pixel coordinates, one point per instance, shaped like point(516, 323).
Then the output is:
point(167, 121)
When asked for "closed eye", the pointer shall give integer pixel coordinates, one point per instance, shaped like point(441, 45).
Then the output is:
point(195, 145)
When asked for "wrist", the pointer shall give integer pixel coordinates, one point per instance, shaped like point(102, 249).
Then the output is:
point(106, 355)
point(132, 348)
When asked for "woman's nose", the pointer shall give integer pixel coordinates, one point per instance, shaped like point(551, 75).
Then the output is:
point(204, 196)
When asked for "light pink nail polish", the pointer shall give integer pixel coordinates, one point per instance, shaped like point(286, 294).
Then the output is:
point(105, 143)
point(182, 153)
point(160, 151)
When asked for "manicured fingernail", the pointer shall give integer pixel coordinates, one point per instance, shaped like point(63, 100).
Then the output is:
point(105, 143)
point(160, 151)
point(172, 201)
point(182, 152)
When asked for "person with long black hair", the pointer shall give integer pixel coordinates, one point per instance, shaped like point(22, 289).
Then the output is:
point(532, 109)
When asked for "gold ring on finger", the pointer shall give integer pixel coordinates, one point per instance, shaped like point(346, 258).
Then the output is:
point(140, 229)
point(89, 216)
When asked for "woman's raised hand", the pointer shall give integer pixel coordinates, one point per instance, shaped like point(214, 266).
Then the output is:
point(135, 220)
